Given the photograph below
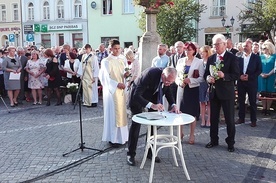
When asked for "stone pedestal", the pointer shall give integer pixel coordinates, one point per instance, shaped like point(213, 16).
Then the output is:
point(150, 39)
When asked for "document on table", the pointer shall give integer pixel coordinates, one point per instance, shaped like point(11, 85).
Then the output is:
point(150, 116)
point(14, 76)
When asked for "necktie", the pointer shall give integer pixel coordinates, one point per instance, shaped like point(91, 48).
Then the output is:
point(160, 94)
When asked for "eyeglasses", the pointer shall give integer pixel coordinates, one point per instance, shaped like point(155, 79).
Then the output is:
point(264, 48)
point(216, 44)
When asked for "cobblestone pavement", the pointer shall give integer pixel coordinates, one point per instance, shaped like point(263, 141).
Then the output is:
point(33, 139)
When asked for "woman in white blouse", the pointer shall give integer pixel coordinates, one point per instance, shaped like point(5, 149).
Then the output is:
point(190, 73)
point(71, 66)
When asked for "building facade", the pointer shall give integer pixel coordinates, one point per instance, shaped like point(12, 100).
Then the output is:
point(10, 23)
point(109, 19)
point(51, 23)
point(211, 20)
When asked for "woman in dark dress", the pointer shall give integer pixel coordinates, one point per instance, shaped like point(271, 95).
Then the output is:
point(190, 74)
point(53, 76)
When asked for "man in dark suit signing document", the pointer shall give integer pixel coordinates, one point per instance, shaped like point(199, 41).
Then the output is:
point(222, 70)
point(147, 92)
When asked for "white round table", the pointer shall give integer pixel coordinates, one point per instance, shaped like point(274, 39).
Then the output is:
point(159, 141)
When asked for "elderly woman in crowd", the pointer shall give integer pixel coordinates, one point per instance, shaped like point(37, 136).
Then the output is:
point(190, 73)
point(133, 66)
point(12, 68)
point(53, 76)
point(205, 52)
point(266, 81)
point(71, 66)
point(35, 68)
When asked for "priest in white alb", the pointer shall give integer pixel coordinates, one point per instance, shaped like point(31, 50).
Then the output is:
point(112, 76)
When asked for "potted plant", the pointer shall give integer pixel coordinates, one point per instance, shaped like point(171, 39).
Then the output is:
point(72, 88)
point(153, 4)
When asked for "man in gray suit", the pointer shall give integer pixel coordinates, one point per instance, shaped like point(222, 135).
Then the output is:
point(24, 75)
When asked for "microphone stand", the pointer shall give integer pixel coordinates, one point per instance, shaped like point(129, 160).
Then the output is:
point(81, 144)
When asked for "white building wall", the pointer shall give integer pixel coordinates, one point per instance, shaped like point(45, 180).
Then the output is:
point(68, 19)
point(210, 25)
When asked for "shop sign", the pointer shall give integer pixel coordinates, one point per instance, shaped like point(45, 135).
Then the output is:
point(64, 27)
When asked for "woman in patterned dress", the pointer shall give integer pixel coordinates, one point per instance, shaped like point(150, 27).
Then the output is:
point(35, 68)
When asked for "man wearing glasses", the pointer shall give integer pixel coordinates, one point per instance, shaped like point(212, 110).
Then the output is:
point(147, 92)
point(223, 92)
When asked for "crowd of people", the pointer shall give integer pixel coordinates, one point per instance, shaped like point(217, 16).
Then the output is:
point(186, 78)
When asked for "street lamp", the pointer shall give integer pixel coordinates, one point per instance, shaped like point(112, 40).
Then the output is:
point(16, 35)
point(227, 27)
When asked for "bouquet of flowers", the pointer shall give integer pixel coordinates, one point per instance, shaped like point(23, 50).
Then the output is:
point(153, 3)
point(183, 74)
point(72, 87)
point(128, 69)
point(217, 67)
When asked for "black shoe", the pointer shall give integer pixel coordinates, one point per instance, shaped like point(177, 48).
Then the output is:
point(253, 124)
point(231, 148)
point(115, 145)
point(157, 159)
point(211, 144)
point(131, 161)
point(48, 103)
point(94, 105)
point(59, 103)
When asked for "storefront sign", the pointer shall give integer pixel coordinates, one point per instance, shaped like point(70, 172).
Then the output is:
point(64, 27)
point(5, 29)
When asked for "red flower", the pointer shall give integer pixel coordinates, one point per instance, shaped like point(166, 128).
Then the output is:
point(221, 58)
point(171, 4)
point(128, 62)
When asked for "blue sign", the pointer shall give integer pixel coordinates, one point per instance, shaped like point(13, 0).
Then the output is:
point(30, 37)
point(11, 37)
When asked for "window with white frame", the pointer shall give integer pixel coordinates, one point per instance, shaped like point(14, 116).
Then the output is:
point(46, 10)
point(78, 9)
point(107, 7)
point(3, 13)
point(128, 6)
point(31, 11)
point(15, 12)
point(60, 9)
point(251, 3)
point(218, 8)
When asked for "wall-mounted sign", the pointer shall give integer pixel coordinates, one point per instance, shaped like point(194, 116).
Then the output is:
point(28, 29)
point(64, 27)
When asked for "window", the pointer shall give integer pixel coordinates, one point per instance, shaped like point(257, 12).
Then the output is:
point(46, 40)
point(218, 8)
point(31, 11)
point(3, 13)
point(60, 9)
point(107, 7)
point(60, 39)
point(15, 12)
point(77, 40)
point(128, 6)
point(105, 40)
point(78, 9)
point(46, 11)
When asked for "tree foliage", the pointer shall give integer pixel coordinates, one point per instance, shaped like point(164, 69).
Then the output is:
point(177, 23)
point(259, 18)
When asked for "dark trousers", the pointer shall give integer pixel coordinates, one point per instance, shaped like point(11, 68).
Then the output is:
point(228, 110)
point(252, 96)
point(134, 132)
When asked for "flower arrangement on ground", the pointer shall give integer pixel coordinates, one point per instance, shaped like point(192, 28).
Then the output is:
point(72, 87)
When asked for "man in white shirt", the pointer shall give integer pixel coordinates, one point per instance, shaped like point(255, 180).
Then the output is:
point(162, 59)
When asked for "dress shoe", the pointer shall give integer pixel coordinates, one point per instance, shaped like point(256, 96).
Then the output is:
point(211, 144)
point(157, 159)
point(231, 148)
point(131, 161)
point(253, 124)
point(58, 103)
point(48, 103)
point(115, 145)
point(239, 121)
point(94, 105)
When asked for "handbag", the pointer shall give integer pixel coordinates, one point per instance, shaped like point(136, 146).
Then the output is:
point(196, 73)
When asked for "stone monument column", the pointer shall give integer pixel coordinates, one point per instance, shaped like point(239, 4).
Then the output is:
point(150, 39)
